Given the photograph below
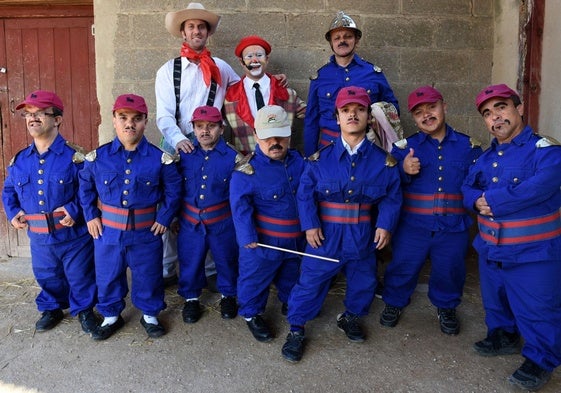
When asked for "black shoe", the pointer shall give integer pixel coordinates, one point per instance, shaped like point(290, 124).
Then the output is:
point(104, 332)
point(191, 311)
point(170, 281)
point(211, 283)
point(499, 342)
point(293, 348)
point(349, 324)
point(449, 323)
point(530, 376)
point(88, 320)
point(259, 329)
point(49, 319)
point(228, 307)
point(153, 331)
point(284, 309)
point(390, 316)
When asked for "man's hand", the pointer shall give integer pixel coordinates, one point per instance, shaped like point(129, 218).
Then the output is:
point(314, 237)
point(95, 227)
point(186, 146)
point(483, 207)
point(381, 238)
point(19, 221)
point(66, 221)
point(158, 229)
point(282, 79)
point(411, 164)
point(251, 245)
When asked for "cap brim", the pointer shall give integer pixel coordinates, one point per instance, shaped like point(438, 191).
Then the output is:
point(281, 132)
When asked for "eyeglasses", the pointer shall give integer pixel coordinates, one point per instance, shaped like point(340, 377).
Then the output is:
point(258, 56)
point(36, 115)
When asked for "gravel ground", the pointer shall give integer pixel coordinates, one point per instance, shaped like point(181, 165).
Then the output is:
point(215, 355)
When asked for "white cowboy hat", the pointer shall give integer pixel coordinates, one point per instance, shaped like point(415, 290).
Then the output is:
point(193, 11)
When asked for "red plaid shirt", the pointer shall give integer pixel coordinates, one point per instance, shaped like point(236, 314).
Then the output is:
point(239, 117)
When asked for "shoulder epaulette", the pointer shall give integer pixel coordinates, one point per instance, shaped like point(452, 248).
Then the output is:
point(547, 141)
point(79, 153)
point(13, 160)
point(390, 160)
point(169, 158)
point(376, 68)
point(314, 77)
point(91, 156)
point(244, 166)
point(239, 156)
point(474, 142)
point(315, 156)
point(401, 144)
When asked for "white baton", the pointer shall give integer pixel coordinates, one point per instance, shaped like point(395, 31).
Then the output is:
point(298, 252)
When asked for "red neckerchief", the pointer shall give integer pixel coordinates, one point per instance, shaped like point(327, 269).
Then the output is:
point(206, 63)
point(236, 92)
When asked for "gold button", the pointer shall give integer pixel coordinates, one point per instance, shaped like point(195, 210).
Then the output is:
point(290, 178)
point(439, 189)
point(205, 177)
point(501, 153)
point(353, 164)
point(125, 203)
point(347, 79)
point(201, 196)
point(516, 180)
point(440, 157)
point(327, 191)
point(40, 181)
point(129, 160)
point(347, 200)
point(41, 161)
point(495, 179)
point(495, 164)
point(40, 192)
point(125, 192)
point(439, 147)
point(203, 186)
point(148, 183)
point(128, 172)
point(127, 181)
point(41, 203)
point(346, 70)
point(328, 94)
point(440, 168)
point(352, 178)
point(206, 158)
point(350, 192)
point(60, 181)
point(105, 182)
point(40, 171)
point(439, 178)
point(275, 196)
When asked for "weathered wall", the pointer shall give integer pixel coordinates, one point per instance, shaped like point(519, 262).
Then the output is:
point(448, 43)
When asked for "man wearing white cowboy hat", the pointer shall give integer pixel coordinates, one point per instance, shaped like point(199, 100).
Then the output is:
point(201, 80)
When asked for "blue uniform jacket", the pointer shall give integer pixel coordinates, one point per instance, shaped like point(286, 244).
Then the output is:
point(520, 180)
point(320, 110)
point(271, 191)
point(40, 183)
point(129, 179)
point(206, 177)
point(370, 176)
point(444, 166)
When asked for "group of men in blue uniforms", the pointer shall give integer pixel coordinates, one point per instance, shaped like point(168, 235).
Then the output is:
point(347, 201)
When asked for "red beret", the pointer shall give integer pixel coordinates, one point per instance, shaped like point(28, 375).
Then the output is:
point(252, 40)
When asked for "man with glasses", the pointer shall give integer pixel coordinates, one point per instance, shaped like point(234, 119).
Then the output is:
point(255, 90)
point(40, 194)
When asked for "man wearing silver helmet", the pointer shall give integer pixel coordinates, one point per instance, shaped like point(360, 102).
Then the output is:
point(345, 68)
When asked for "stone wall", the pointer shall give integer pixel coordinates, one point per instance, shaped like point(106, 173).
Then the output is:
point(445, 43)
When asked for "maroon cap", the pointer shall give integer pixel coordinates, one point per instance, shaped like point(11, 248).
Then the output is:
point(42, 99)
point(131, 101)
point(352, 94)
point(423, 95)
point(207, 113)
point(502, 91)
point(252, 40)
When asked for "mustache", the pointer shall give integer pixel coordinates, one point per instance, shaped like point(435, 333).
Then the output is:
point(276, 146)
point(506, 121)
point(342, 44)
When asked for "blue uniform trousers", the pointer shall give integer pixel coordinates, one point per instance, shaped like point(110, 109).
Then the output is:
point(258, 269)
point(525, 298)
point(309, 293)
point(145, 262)
point(66, 274)
point(193, 243)
point(410, 248)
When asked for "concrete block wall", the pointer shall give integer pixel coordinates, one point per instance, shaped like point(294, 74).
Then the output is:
point(445, 43)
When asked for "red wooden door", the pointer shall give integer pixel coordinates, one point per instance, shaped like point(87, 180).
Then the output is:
point(48, 53)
